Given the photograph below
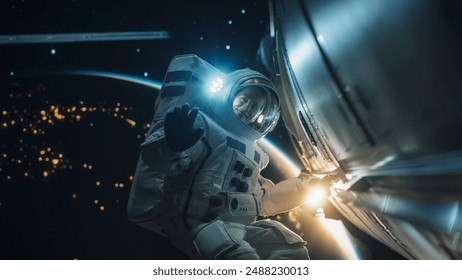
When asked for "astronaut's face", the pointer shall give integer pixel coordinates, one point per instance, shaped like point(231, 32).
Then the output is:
point(248, 104)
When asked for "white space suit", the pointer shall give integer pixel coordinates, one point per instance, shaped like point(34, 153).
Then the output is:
point(206, 198)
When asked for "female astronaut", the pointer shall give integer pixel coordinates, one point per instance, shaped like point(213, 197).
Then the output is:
point(198, 179)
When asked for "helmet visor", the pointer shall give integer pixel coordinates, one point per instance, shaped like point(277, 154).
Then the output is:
point(256, 104)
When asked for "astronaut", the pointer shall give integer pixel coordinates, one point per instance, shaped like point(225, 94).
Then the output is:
point(198, 178)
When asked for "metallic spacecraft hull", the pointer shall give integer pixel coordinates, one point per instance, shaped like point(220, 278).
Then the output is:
point(371, 95)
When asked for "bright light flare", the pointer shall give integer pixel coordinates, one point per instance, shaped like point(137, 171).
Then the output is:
point(260, 119)
point(316, 197)
point(216, 85)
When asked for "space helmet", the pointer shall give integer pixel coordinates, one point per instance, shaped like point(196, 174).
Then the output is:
point(247, 105)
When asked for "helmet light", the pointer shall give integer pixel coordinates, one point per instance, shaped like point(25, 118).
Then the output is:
point(216, 85)
point(316, 197)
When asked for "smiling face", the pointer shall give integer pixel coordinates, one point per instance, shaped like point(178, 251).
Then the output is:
point(248, 104)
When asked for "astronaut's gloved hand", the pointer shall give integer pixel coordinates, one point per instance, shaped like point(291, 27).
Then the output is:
point(179, 128)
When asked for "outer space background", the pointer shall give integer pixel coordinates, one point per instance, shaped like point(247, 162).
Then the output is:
point(69, 143)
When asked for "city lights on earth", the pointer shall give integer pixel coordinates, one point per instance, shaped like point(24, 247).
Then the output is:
point(32, 156)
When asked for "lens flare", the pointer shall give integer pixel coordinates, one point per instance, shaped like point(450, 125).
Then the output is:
point(316, 197)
